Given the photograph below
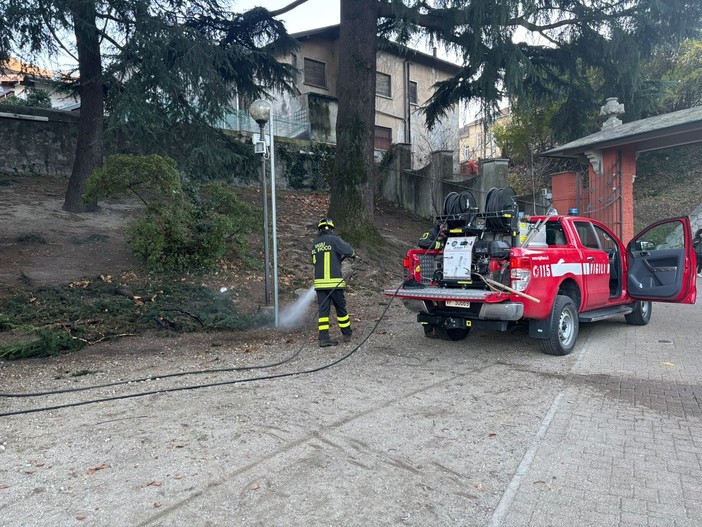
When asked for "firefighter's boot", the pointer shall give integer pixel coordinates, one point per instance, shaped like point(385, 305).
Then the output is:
point(324, 340)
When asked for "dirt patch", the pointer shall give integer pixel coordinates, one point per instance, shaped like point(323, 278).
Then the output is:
point(42, 244)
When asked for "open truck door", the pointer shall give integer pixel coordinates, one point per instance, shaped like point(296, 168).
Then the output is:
point(661, 263)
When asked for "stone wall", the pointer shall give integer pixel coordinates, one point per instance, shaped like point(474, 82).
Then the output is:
point(37, 141)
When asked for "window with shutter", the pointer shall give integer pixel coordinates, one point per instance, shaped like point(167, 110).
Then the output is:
point(412, 92)
point(383, 84)
point(383, 138)
point(315, 73)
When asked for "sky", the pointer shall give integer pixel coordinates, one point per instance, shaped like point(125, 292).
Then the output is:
point(310, 15)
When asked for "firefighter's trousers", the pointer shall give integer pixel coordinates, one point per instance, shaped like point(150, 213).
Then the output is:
point(325, 299)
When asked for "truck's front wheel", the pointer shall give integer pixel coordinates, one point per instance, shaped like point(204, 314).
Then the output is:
point(564, 327)
point(641, 313)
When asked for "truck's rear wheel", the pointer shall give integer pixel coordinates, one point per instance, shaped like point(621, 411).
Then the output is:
point(454, 334)
point(641, 313)
point(564, 327)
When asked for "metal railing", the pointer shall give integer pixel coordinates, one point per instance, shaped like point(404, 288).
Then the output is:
point(296, 126)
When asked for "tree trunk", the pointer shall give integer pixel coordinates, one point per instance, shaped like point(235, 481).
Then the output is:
point(90, 123)
point(353, 185)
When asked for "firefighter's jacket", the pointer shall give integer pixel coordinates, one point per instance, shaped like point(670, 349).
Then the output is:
point(433, 239)
point(327, 254)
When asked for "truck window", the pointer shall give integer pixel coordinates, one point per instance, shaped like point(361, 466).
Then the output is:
point(669, 235)
point(555, 234)
point(607, 243)
point(587, 234)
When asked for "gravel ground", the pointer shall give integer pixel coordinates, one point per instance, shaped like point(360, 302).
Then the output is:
point(404, 431)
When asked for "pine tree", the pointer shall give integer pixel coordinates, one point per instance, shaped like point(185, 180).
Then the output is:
point(569, 40)
point(164, 71)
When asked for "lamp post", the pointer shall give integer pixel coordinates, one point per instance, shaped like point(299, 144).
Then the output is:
point(260, 111)
point(275, 225)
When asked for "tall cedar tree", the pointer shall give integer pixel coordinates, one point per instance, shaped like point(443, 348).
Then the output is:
point(571, 38)
point(166, 72)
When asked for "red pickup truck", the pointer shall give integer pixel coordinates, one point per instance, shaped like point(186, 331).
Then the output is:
point(494, 270)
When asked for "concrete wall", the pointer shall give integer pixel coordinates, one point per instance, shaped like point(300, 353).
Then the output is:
point(493, 174)
point(322, 111)
point(37, 141)
point(415, 190)
point(423, 191)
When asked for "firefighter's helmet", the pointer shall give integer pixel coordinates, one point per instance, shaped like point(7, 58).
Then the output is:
point(325, 224)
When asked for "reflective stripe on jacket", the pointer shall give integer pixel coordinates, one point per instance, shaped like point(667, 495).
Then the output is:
point(327, 253)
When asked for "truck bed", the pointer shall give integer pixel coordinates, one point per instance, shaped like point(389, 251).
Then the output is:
point(443, 294)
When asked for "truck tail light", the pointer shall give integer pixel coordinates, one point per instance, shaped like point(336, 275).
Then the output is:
point(520, 272)
point(411, 263)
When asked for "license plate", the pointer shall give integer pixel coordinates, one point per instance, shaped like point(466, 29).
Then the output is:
point(457, 303)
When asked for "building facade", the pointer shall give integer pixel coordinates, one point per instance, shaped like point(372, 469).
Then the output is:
point(404, 83)
point(18, 79)
point(477, 141)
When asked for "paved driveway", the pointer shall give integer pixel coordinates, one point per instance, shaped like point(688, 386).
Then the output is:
point(406, 431)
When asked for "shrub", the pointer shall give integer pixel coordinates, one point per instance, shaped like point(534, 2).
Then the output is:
point(123, 174)
point(194, 234)
point(181, 230)
point(34, 97)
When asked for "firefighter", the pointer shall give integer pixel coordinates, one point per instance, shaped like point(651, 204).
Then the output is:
point(697, 244)
point(434, 238)
point(328, 252)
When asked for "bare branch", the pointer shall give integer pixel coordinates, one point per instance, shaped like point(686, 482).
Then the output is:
point(56, 38)
point(287, 8)
point(428, 21)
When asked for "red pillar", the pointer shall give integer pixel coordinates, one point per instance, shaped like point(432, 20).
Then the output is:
point(622, 219)
point(628, 175)
point(564, 189)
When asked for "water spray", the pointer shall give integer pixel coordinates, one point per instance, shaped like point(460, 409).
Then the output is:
point(293, 315)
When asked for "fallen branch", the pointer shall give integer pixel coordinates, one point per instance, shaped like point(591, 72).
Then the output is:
point(55, 325)
point(194, 317)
